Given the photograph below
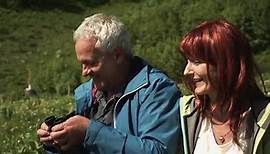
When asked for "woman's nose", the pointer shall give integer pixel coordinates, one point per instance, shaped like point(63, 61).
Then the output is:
point(187, 69)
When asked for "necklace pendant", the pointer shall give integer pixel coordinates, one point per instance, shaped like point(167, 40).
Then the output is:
point(221, 139)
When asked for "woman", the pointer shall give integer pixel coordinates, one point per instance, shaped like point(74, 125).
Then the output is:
point(227, 112)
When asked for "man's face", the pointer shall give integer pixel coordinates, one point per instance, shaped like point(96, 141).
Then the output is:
point(95, 63)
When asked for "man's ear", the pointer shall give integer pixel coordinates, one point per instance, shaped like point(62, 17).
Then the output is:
point(119, 55)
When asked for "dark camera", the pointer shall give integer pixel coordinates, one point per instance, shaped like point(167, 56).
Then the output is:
point(52, 120)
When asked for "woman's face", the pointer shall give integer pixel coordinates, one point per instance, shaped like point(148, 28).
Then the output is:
point(198, 78)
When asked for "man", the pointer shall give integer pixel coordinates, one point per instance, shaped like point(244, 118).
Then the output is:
point(127, 106)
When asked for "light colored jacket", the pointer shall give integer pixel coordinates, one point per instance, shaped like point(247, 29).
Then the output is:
point(190, 119)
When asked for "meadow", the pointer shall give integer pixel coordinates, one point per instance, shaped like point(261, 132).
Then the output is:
point(20, 120)
point(36, 48)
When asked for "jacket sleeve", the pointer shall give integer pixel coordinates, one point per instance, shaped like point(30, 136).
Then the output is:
point(158, 125)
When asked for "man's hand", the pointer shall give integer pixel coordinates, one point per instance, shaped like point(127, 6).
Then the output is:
point(70, 133)
point(44, 135)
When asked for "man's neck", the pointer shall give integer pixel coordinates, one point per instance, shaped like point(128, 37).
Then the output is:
point(124, 75)
point(129, 69)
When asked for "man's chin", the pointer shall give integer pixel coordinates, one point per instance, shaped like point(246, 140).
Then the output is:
point(99, 87)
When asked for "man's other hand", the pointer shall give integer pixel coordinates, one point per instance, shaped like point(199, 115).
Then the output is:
point(70, 133)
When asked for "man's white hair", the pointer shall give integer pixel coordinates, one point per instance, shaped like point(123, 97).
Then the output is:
point(109, 31)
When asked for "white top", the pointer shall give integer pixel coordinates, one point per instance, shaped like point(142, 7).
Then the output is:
point(206, 142)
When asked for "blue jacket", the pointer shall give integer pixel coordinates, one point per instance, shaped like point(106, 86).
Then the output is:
point(146, 117)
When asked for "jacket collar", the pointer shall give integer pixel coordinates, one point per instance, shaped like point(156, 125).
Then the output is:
point(261, 112)
point(189, 105)
point(140, 80)
point(261, 116)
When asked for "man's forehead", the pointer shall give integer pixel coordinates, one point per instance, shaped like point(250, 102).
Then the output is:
point(86, 42)
point(87, 52)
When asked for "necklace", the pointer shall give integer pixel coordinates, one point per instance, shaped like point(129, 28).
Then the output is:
point(222, 137)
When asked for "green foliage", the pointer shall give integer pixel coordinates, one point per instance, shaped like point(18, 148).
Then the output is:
point(58, 77)
point(20, 120)
point(263, 63)
point(37, 47)
point(30, 48)
point(44, 5)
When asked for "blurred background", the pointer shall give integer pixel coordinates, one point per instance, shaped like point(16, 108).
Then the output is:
point(38, 67)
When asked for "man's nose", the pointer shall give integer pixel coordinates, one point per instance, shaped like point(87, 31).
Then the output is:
point(86, 70)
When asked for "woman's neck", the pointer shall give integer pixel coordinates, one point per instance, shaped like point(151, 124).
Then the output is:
point(219, 115)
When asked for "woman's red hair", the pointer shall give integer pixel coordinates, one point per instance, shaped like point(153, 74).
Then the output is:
point(222, 45)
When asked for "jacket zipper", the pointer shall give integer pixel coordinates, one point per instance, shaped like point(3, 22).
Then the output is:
point(114, 110)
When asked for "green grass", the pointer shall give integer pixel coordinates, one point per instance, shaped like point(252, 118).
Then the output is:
point(37, 47)
point(20, 120)
point(29, 41)
point(36, 44)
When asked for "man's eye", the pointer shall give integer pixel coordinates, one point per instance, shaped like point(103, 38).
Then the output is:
point(90, 63)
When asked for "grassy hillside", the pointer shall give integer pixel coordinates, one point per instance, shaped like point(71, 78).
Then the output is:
point(20, 120)
point(36, 47)
point(29, 42)
point(36, 42)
